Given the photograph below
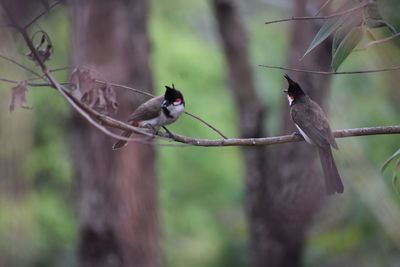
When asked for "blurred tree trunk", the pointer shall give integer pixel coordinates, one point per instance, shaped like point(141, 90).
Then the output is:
point(250, 113)
point(117, 189)
point(283, 189)
point(295, 186)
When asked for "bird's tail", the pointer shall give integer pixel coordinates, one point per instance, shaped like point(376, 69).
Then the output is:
point(333, 183)
point(121, 143)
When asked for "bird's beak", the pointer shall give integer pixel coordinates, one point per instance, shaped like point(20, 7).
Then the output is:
point(285, 91)
point(164, 104)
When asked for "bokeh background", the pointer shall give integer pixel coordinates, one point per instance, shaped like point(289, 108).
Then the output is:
point(201, 190)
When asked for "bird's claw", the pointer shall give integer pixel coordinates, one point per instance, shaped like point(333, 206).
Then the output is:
point(171, 135)
point(297, 134)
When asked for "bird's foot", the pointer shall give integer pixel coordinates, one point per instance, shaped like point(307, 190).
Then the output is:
point(151, 130)
point(171, 135)
point(297, 134)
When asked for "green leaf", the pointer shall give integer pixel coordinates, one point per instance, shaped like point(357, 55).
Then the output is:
point(390, 27)
point(372, 11)
point(390, 159)
point(374, 19)
point(346, 46)
point(371, 23)
point(344, 29)
point(394, 177)
point(340, 34)
point(322, 7)
point(330, 26)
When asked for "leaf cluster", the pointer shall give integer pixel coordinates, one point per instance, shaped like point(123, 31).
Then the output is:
point(349, 28)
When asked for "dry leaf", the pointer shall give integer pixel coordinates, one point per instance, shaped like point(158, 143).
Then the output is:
point(18, 96)
point(97, 96)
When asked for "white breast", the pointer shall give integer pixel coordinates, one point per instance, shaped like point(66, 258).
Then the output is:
point(176, 111)
point(162, 120)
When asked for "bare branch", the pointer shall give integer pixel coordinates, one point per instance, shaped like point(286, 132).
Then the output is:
point(378, 42)
point(90, 115)
point(61, 69)
point(320, 17)
point(206, 123)
point(333, 72)
point(285, 138)
point(30, 83)
point(41, 14)
point(322, 7)
point(21, 66)
point(126, 87)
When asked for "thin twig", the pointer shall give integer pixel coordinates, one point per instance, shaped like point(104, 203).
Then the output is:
point(30, 83)
point(61, 69)
point(125, 87)
point(206, 123)
point(378, 42)
point(320, 17)
point(150, 95)
point(322, 7)
point(41, 14)
point(333, 72)
point(21, 65)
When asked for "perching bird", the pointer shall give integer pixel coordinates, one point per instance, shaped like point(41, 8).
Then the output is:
point(313, 125)
point(155, 113)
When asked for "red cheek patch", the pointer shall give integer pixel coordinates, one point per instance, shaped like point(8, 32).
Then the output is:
point(291, 97)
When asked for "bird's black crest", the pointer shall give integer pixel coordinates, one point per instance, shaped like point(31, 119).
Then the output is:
point(294, 88)
point(171, 94)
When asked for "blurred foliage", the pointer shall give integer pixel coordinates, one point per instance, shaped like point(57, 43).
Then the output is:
point(201, 189)
point(39, 229)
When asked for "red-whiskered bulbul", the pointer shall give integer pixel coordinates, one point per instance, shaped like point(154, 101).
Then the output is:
point(155, 113)
point(313, 125)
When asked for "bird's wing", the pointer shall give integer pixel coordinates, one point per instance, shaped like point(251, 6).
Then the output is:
point(147, 110)
point(313, 122)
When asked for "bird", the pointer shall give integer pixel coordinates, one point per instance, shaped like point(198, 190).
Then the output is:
point(155, 113)
point(311, 121)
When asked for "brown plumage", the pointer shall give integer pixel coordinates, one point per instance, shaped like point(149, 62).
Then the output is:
point(313, 125)
point(155, 113)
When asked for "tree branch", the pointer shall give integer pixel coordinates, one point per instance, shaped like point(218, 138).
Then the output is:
point(30, 83)
point(332, 72)
point(378, 42)
point(320, 17)
point(21, 66)
point(90, 115)
point(285, 138)
point(41, 14)
point(206, 123)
